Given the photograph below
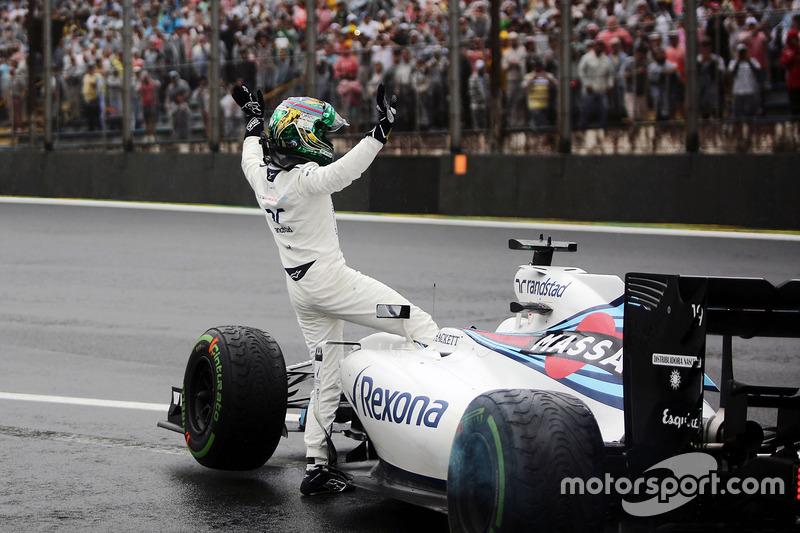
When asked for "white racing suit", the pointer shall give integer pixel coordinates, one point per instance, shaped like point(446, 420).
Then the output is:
point(324, 291)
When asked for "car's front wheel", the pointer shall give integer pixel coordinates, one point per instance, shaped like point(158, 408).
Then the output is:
point(511, 452)
point(234, 398)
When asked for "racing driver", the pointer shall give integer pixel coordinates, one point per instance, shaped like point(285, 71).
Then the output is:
point(292, 172)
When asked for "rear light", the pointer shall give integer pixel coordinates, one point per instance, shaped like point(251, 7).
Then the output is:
point(797, 481)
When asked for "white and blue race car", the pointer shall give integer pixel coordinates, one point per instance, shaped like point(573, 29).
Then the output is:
point(592, 379)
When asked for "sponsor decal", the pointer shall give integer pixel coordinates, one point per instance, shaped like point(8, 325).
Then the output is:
point(297, 273)
point(675, 380)
point(447, 339)
point(683, 361)
point(598, 349)
point(275, 215)
point(396, 406)
point(213, 350)
point(594, 323)
point(541, 288)
point(679, 421)
point(606, 389)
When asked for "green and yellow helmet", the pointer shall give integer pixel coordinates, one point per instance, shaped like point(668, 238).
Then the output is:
point(298, 126)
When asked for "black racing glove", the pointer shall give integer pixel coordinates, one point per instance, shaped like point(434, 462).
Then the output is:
point(253, 107)
point(386, 114)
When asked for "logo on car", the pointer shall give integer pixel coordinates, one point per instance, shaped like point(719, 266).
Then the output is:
point(396, 406)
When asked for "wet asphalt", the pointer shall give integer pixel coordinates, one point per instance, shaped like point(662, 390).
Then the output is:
point(106, 304)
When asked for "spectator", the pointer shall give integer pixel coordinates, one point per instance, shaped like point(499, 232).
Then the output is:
point(230, 112)
point(175, 51)
point(513, 64)
point(377, 77)
point(614, 31)
point(175, 86)
point(663, 18)
point(676, 53)
point(746, 89)
point(113, 106)
point(710, 80)
point(595, 74)
point(181, 117)
point(243, 68)
point(19, 92)
point(636, 89)
point(398, 81)
point(616, 99)
point(609, 9)
point(438, 66)
point(346, 67)
point(662, 75)
point(756, 38)
point(637, 19)
point(284, 68)
point(350, 92)
point(540, 86)
point(74, 69)
point(480, 21)
point(326, 84)
point(422, 84)
point(790, 60)
point(91, 92)
point(717, 31)
point(369, 26)
point(286, 35)
point(148, 90)
point(479, 95)
point(201, 52)
point(200, 99)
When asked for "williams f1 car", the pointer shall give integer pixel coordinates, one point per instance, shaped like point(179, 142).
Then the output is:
point(588, 402)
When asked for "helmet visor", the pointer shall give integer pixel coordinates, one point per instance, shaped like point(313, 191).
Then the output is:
point(333, 120)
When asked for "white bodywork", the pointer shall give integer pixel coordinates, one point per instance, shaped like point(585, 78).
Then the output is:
point(411, 399)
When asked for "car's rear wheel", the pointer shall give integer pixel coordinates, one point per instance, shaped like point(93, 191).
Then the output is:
point(234, 398)
point(510, 454)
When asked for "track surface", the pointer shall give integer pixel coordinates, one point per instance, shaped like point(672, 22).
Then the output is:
point(106, 303)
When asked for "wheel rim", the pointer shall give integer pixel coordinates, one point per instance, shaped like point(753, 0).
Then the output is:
point(477, 484)
point(201, 395)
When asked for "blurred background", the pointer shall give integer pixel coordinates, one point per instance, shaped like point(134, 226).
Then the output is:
point(477, 76)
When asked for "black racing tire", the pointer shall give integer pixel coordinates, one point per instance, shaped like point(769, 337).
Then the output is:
point(234, 398)
point(510, 454)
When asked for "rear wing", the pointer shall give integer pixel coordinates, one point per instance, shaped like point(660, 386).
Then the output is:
point(542, 249)
point(667, 319)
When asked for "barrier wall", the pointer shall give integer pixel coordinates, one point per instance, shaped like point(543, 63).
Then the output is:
point(751, 191)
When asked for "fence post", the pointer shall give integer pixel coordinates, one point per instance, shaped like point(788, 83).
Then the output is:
point(564, 81)
point(692, 96)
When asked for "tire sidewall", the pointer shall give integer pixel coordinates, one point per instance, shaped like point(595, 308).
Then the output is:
point(528, 442)
point(209, 351)
point(475, 472)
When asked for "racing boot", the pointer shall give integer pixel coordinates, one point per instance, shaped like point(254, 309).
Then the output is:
point(323, 479)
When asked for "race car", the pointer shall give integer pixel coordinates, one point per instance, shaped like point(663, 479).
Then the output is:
point(587, 402)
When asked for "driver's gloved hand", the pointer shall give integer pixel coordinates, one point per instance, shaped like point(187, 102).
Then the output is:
point(386, 116)
point(253, 107)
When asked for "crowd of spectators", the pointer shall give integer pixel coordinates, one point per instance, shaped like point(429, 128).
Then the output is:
point(628, 59)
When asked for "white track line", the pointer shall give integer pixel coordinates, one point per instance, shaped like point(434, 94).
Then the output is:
point(435, 220)
point(86, 402)
point(95, 402)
